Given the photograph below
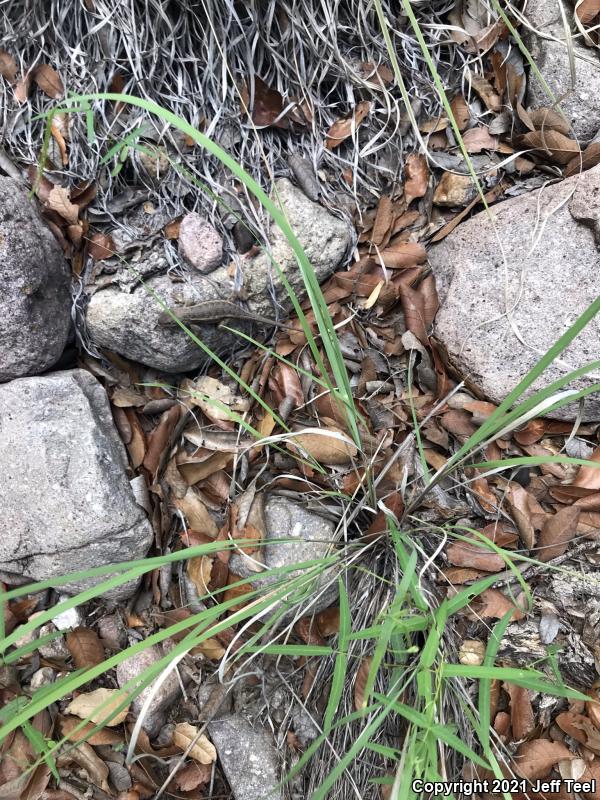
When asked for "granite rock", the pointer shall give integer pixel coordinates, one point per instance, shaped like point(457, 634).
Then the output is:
point(66, 500)
point(35, 301)
point(550, 275)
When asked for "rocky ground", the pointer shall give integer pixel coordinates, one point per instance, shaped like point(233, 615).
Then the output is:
point(121, 438)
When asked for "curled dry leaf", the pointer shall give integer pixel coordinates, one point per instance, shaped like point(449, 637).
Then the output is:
point(203, 750)
point(82, 734)
point(493, 603)
point(196, 513)
point(416, 177)
point(403, 254)
point(343, 128)
point(88, 706)
point(49, 81)
point(59, 201)
point(101, 246)
point(475, 556)
point(266, 107)
point(526, 512)
point(521, 711)
point(215, 398)
point(558, 147)
point(360, 683)
point(199, 570)
point(535, 759)
point(460, 110)
point(589, 477)
point(327, 446)
point(588, 159)
point(478, 139)
point(557, 531)
point(486, 92)
point(193, 776)
point(531, 433)
point(8, 66)
point(85, 647)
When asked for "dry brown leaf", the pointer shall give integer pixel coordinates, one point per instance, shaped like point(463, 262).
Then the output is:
point(267, 105)
point(478, 139)
point(486, 92)
point(159, 438)
point(193, 776)
point(203, 750)
point(199, 570)
point(558, 147)
point(8, 66)
point(360, 683)
point(343, 128)
point(547, 119)
point(416, 177)
point(454, 190)
point(59, 201)
point(395, 504)
point(101, 246)
point(557, 531)
point(192, 471)
point(493, 603)
point(136, 447)
point(85, 757)
point(525, 511)
point(420, 306)
point(196, 513)
point(521, 711)
point(458, 422)
point(87, 706)
point(581, 728)
point(23, 87)
point(209, 648)
point(49, 81)
point(383, 221)
point(104, 736)
point(460, 110)
point(589, 477)
point(456, 576)
point(472, 652)
point(531, 433)
point(403, 254)
point(535, 759)
point(85, 647)
point(586, 10)
point(588, 159)
point(324, 447)
point(479, 557)
point(328, 621)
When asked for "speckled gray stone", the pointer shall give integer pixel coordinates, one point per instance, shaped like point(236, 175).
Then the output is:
point(314, 536)
point(64, 492)
point(35, 281)
point(126, 321)
point(248, 757)
point(580, 106)
point(168, 693)
point(553, 251)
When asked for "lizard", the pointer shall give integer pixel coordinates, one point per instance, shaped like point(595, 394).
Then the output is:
point(217, 311)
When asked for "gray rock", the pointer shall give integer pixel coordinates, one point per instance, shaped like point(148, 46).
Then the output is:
point(127, 321)
point(66, 500)
point(552, 249)
point(314, 536)
point(168, 693)
point(199, 243)
point(248, 757)
point(580, 106)
point(35, 301)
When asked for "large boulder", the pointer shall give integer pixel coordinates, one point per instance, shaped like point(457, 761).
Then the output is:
point(35, 300)
point(66, 500)
point(497, 318)
point(548, 47)
point(126, 320)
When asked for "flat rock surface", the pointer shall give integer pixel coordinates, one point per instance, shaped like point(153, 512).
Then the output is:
point(66, 500)
point(167, 694)
point(549, 238)
point(313, 535)
point(35, 297)
point(126, 320)
point(248, 757)
point(580, 102)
